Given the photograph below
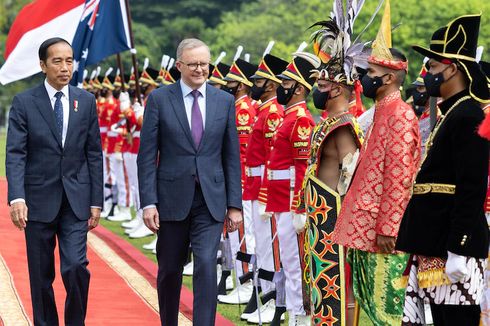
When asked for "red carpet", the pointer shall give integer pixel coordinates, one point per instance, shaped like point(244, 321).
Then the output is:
point(122, 280)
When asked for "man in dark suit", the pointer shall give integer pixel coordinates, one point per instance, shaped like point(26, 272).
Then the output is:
point(189, 172)
point(54, 174)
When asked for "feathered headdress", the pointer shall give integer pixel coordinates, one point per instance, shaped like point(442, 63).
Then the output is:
point(333, 43)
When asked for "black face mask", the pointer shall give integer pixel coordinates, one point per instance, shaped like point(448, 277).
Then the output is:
point(320, 99)
point(419, 110)
point(231, 90)
point(116, 93)
point(144, 89)
point(256, 92)
point(433, 83)
point(103, 93)
point(284, 95)
point(370, 85)
point(131, 92)
point(420, 98)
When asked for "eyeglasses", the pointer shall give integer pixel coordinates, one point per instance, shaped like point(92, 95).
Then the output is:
point(194, 65)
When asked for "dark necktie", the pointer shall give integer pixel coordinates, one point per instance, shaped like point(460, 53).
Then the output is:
point(58, 113)
point(196, 119)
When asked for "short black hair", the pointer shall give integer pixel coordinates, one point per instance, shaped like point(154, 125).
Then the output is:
point(399, 56)
point(43, 49)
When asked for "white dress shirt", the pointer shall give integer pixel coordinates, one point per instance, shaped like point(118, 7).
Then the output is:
point(189, 100)
point(65, 100)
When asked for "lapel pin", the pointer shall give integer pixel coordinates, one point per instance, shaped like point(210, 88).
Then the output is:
point(75, 105)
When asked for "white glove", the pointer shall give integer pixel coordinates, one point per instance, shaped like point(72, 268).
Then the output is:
point(263, 214)
point(138, 110)
point(117, 129)
point(456, 268)
point(124, 101)
point(118, 156)
point(299, 222)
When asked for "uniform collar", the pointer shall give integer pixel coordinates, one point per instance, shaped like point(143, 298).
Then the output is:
point(445, 105)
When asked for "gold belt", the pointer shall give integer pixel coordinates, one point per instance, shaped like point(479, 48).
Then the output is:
point(439, 188)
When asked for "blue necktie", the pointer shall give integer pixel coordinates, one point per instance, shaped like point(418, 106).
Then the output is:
point(58, 113)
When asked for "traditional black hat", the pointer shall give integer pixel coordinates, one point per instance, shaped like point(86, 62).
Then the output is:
point(241, 71)
point(457, 43)
point(218, 73)
point(300, 70)
point(270, 67)
point(171, 76)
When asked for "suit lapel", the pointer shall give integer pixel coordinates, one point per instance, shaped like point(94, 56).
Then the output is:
point(178, 105)
point(43, 103)
point(210, 112)
point(73, 116)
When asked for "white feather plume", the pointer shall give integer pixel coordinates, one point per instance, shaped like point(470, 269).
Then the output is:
point(146, 64)
point(479, 53)
point(238, 53)
point(220, 57)
point(311, 58)
point(93, 74)
point(269, 47)
point(98, 71)
point(246, 57)
point(85, 74)
point(118, 72)
point(108, 72)
point(170, 63)
point(164, 61)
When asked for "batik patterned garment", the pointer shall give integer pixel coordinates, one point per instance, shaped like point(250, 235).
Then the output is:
point(324, 276)
point(468, 291)
point(382, 183)
point(374, 288)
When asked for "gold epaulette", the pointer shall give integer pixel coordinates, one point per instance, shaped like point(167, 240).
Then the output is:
point(244, 105)
point(301, 112)
point(273, 108)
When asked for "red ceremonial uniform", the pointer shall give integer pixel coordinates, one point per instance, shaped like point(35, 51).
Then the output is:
point(112, 115)
point(288, 159)
point(245, 116)
point(267, 120)
point(103, 122)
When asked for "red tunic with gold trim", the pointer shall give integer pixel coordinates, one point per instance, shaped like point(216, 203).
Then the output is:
point(113, 115)
point(486, 109)
point(259, 145)
point(245, 116)
point(381, 187)
point(288, 158)
point(103, 122)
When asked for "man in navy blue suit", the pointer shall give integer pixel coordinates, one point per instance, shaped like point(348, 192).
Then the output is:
point(189, 172)
point(54, 174)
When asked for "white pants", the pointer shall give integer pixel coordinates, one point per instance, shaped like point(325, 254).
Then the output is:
point(132, 171)
point(119, 171)
point(263, 245)
point(289, 248)
point(237, 237)
point(108, 177)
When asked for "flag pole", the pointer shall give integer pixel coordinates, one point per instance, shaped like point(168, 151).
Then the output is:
point(133, 53)
point(121, 71)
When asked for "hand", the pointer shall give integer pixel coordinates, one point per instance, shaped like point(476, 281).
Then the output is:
point(18, 214)
point(234, 218)
point(151, 219)
point(263, 214)
point(456, 268)
point(93, 221)
point(299, 222)
point(124, 102)
point(386, 244)
point(138, 110)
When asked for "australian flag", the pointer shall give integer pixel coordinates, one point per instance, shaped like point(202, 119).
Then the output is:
point(102, 31)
